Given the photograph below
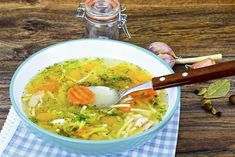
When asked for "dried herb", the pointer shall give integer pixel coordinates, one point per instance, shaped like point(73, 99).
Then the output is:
point(202, 91)
point(207, 106)
point(213, 111)
point(217, 89)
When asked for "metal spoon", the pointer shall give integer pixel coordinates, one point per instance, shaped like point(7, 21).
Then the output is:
point(106, 96)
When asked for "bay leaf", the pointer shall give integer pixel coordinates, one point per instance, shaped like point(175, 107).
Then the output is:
point(219, 88)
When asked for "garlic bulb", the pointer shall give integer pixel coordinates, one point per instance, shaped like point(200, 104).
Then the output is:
point(163, 51)
point(167, 54)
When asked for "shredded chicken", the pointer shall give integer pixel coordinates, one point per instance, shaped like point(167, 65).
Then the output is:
point(58, 121)
point(35, 101)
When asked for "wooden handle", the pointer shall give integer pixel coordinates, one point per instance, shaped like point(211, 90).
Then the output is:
point(193, 76)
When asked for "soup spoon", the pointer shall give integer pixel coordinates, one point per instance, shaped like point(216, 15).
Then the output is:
point(105, 96)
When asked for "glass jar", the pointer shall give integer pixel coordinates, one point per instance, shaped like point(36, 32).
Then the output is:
point(103, 18)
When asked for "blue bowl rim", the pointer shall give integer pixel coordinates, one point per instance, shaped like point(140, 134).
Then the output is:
point(28, 122)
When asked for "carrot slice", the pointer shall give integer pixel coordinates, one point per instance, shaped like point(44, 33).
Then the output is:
point(50, 86)
point(125, 109)
point(80, 95)
point(83, 131)
point(143, 95)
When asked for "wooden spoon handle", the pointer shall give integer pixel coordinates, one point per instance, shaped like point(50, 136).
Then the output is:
point(194, 76)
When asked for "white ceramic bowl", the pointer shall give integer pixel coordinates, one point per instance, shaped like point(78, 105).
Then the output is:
point(91, 48)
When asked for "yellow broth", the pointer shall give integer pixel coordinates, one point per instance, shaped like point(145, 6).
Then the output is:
point(45, 100)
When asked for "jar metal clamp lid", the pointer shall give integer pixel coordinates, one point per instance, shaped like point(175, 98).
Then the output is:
point(104, 10)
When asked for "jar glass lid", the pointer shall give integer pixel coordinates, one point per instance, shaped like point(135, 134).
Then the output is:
point(102, 9)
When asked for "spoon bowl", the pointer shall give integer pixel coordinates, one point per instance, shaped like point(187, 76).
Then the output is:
point(105, 96)
point(112, 97)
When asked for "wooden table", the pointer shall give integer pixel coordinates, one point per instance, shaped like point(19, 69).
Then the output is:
point(191, 28)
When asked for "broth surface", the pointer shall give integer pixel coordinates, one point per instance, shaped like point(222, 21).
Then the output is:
point(46, 101)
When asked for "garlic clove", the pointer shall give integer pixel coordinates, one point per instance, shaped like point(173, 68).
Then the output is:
point(161, 48)
point(201, 64)
point(168, 59)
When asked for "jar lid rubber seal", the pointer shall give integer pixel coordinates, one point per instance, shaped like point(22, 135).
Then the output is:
point(102, 9)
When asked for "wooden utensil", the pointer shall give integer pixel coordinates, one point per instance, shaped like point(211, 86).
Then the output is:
point(194, 76)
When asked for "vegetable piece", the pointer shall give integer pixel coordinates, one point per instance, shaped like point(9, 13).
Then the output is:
point(87, 131)
point(203, 63)
point(143, 95)
point(167, 54)
point(197, 59)
point(83, 131)
point(163, 51)
point(232, 99)
point(218, 89)
point(80, 95)
point(50, 86)
point(161, 48)
point(98, 137)
point(125, 109)
point(109, 120)
point(69, 127)
point(73, 74)
point(168, 59)
point(45, 116)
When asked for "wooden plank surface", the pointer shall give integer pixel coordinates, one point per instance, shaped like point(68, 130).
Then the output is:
point(191, 28)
